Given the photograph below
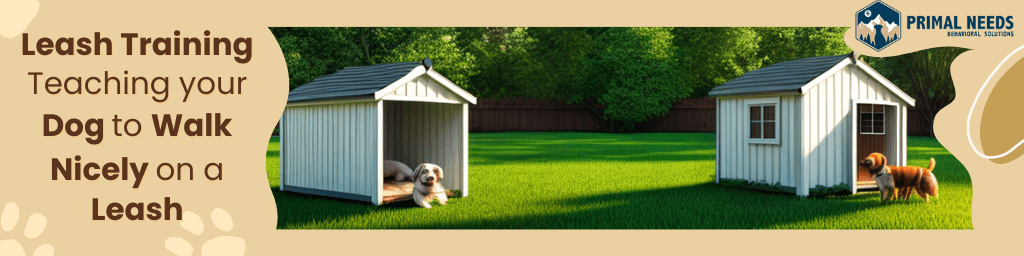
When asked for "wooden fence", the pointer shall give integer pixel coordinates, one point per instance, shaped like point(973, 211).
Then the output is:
point(688, 115)
point(502, 115)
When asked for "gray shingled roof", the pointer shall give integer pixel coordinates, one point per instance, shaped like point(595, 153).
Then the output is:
point(782, 77)
point(352, 82)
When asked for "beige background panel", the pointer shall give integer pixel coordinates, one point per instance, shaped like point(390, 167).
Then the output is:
point(993, 182)
point(997, 110)
point(67, 204)
point(244, 192)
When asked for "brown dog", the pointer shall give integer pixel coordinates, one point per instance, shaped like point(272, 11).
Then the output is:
point(905, 179)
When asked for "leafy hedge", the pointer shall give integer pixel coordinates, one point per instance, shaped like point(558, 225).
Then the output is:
point(837, 190)
point(777, 187)
point(817, 191)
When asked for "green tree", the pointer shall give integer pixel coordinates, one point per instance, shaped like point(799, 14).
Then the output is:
point(780, 44)
point(438, 44)
point(506, 64)
point(561, 53)
point(924, 75)
point(824, 41)
point(712, 56)
point(634, 74)
point(313, 52)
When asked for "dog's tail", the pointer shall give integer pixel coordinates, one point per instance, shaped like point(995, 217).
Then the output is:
point(929, 185)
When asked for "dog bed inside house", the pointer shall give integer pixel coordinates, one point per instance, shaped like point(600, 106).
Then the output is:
point(397, 191)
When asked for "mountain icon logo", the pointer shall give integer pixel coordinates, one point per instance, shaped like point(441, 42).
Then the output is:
point(878, 25)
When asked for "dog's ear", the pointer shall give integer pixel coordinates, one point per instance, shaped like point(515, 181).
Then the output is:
point(883, 160)
point(439, 172)
point(867, 163)
point(416, 173)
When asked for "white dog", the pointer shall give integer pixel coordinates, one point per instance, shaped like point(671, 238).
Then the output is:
point(876, 164)
point(397, 169)
point(427, 179)
point(886, 185)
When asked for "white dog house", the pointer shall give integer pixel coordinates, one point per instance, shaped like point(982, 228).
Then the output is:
point(337, 130)
point(808, 122)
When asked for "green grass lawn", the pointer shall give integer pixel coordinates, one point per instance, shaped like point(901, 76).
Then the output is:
point(627, 181)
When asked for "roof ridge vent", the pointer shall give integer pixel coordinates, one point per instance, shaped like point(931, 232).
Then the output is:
point(854, 56)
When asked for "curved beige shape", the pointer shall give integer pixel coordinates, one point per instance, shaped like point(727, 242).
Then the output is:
point(224, 246)
point(35, 226)
point(970, 113)
point(43, 250)
point(179, 246)
point(10, 247)
point(191, 222)
point(222, 220)
point(15, 15)
point(9, 218)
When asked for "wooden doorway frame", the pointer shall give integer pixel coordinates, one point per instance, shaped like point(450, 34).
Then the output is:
point(853, 133)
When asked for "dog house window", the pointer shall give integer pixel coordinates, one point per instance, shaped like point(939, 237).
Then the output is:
point(763, 123)
point(872, 119)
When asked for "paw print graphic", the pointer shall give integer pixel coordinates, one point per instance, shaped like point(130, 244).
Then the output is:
point(15, 15)
point(33, 228)
point(221, 245)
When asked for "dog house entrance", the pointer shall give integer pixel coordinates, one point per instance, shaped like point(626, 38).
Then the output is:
point(871, 137)
point(422, 132)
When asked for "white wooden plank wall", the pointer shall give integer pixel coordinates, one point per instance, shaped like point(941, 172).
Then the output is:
point(829, 138)
point(331, 147)
point(419, 132)
point(768, 163)
point(424, 86)
point(892, 136)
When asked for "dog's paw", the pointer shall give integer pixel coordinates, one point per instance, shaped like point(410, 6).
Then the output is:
point(33, 228)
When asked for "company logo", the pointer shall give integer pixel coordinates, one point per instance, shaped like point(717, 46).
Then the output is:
point(878, 25)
